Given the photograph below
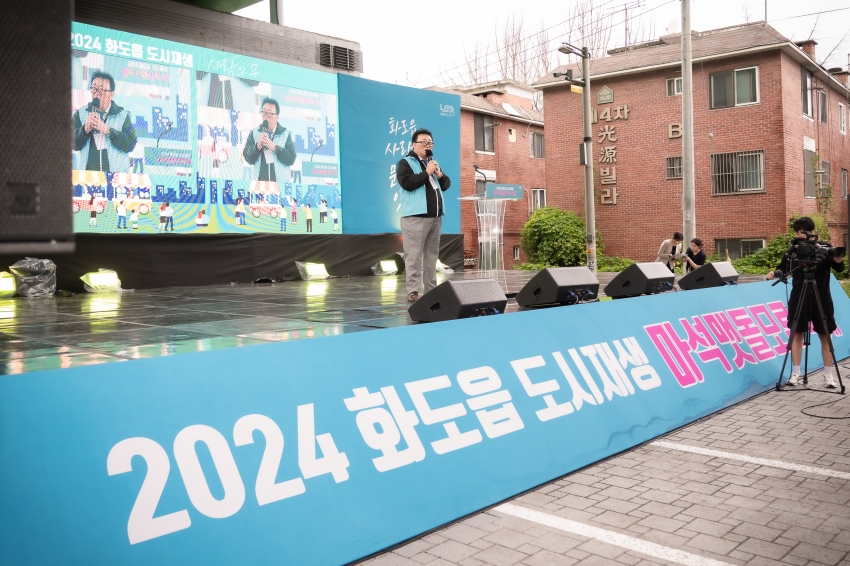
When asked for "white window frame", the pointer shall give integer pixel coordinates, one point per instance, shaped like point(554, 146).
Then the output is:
point(677, 82)
point(536, 201)
point(531, 137)
point(823, 115)
point(734, 89)
point(516, 252)
point(807, 96)
point(844, 183)
point(842, 119)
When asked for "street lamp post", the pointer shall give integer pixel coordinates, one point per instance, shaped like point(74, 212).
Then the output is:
point(589, 197)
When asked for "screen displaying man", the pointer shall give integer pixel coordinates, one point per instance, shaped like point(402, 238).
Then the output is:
point(269, 144)
point(421, 213)
point(103, 131)
point(810, 311)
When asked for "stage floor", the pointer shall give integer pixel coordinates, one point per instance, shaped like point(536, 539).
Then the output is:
point(57, 332)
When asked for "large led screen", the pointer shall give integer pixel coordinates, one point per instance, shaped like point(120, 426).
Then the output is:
point(174, 138)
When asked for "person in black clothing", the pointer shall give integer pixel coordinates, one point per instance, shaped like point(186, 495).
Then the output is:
point(694, 256)
point(421, 213)
point(801, 227)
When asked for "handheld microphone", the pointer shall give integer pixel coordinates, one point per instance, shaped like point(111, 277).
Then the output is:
point(429, 154)
point(95, 104)
point(266, 125)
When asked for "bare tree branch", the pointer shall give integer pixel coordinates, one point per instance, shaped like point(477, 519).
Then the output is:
point(834, 49)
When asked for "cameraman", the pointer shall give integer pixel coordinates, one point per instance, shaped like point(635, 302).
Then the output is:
point(802, 227)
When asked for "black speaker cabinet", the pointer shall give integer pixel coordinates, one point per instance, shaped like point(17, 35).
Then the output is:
point(559, 285)
point(709, 275)
point(459, 299)
point(35, 127)
point(641, 279)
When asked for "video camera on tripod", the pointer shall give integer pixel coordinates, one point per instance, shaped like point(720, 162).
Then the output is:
point(810, 251)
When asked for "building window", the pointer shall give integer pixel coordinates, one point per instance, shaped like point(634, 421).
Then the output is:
point(536, 141)
point(822, 106)
point(674, 167)
point(844, 183)
point(734, 88)
point(738, 248)
point(674, 86)
point(538, 199)
point(809, 184)
point(824, 177)
point(737, 172)
point(807, 91)
point(480, 187)
point(842, 118)
point(516, 252)
point(483, 133)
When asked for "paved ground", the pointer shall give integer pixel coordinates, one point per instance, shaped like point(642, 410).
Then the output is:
point(724, 506)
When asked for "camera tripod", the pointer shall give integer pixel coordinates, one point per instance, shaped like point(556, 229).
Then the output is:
point(809, 289)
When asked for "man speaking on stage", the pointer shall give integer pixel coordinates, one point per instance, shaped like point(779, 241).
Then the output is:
point(421, 212)
point(262, 150)
point(103, 131)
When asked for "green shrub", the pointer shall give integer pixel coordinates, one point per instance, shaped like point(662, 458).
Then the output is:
point(612, 264)
point(554, 238)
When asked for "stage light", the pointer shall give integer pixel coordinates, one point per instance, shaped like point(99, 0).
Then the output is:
point(385, 267)
point(311, 271)
point(7, 284)
point(101, 281)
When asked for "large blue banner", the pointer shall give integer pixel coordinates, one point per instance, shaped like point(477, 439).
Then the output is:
point(377, 120)
point(325, 451)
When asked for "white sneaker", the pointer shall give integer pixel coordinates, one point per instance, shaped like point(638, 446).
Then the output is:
point(795, 379)
point(829, 382)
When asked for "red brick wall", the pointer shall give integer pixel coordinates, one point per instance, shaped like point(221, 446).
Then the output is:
point(513, 164)
point(832, 146)
point(649, 206)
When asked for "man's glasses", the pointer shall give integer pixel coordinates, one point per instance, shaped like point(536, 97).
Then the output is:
point(100, 91)
point(264, 113)
point(426, 143)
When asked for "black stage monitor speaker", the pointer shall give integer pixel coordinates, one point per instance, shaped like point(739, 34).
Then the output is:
point(459, 299)
point(640, 279)
point(709, 275)
point(559, 285)
point(35, 127)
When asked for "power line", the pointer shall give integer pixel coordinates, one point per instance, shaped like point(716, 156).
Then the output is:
point(585, 37)
point(807, 15)
point(497, 50)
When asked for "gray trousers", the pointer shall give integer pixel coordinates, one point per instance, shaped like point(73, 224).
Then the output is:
point(421, 240)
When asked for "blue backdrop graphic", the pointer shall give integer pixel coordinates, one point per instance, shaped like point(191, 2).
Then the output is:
point(376, 122)
point(325, 451)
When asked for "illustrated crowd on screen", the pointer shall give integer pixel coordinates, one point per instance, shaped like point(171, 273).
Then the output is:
point(384, 422)
point(756, 334)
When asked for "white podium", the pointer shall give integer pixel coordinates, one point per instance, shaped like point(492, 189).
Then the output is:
point(490, 214)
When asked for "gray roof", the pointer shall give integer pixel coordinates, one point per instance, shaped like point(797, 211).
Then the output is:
point(667, 50)
point(480, 104)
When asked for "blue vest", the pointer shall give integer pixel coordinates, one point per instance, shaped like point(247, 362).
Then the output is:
point(416, 202)
point(119, 162)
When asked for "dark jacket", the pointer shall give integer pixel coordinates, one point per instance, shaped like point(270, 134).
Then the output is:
point(411, 181)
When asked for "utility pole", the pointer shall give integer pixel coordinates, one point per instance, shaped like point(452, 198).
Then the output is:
point(276, 12)
point(688, 191)
point(589, 196)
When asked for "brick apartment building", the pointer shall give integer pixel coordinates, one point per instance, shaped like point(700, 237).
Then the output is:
point(502, 134)
point(764, 111)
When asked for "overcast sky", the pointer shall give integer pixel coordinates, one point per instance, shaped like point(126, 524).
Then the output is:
point(420, 44)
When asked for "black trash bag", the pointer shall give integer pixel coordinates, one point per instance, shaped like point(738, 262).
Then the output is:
point(35, 277)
